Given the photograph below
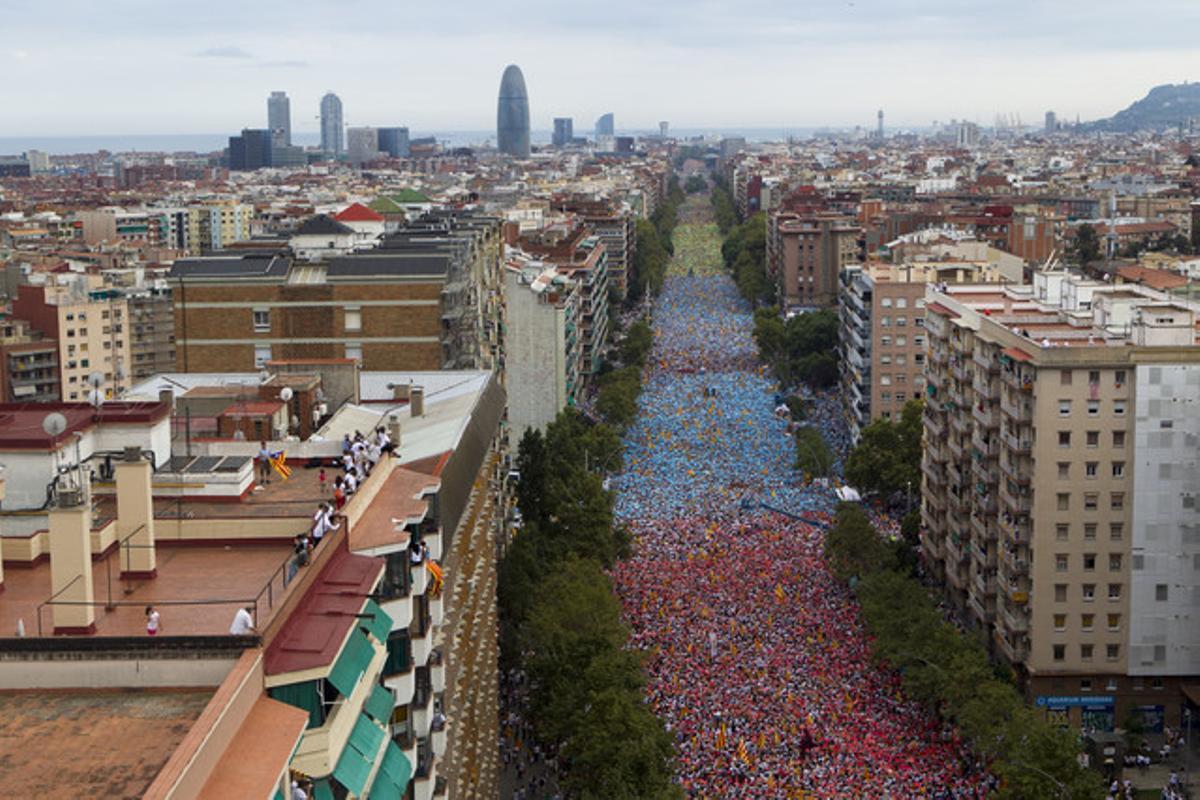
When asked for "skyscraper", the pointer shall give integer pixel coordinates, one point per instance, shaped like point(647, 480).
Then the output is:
point(394, 142)
point(251, 150)
point(564, 131)
point(879, 125)
point(332, 140)
point(1051, 122)
point(605, 125)
point(512, 114)
point(279, 118)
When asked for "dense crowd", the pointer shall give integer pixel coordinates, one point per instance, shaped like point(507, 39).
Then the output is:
point(757, 659)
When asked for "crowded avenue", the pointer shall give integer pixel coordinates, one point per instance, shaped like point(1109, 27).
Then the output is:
point(757, 660)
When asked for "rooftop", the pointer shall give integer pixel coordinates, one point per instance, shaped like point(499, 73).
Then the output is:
point(91, 743)
point(401, 501)
point(21, 424)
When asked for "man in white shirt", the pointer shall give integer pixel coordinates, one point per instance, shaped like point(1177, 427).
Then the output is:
point(243, 622)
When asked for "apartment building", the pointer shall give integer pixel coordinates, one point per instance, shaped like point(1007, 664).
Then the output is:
point(882, 314)
point(544, 344)
point(616, 227)
point(1059, 487)
point(429, 297)
point(216, 224)
point(28, 363)
point(806, 254)
point(90, 323)
point(151, 329)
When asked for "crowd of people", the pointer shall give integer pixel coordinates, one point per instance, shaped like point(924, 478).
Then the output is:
point(757, 659)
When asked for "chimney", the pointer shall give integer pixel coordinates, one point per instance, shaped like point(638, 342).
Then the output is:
point(71, 563)
point(394, 429)
point(135, 517)
point(167, 396)
point(416, 401)
point(400, 391)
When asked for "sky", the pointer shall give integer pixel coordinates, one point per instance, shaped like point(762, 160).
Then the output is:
point(83, 67)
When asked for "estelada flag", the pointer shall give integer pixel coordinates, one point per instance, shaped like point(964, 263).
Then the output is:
point(741, 751)
point(779, 594)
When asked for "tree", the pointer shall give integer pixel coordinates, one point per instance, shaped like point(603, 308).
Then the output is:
point(531, 465)
point(887, 458)
point(853, 547)
point(636, 345)
point(812, 453)
point(1087, 244)
point(695, 184)
point(616, 399)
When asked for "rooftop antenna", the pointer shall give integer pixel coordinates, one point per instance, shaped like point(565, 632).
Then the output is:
point(68, 480)
point(96, 395)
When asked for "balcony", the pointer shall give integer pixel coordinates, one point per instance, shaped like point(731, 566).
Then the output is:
point(1018, 470)
point(425, 772)
point(934, 473)
point(956, 576)
point(954, 447)
point(422, 646)
point(985, 414)
point(984, 471)
point(988, 446)
point(961, 424)
point(437, 609)
point(987, 363)
point(986, 532)
point(1015, 621)
point(1017, 443)
point(936, 500)
point(437, 670)
point(1015, 653)
point(956, 549)
point(962, 369)
point(421, 707)
point(954, 473)
point(1017, 528)
point(985, 388)
point(983, 607)
point(932, 544)
point(983, 584)
point(1017, 408)
point(935, 424)
point(1015, 504)
point(1021, 380)
point(400, 609)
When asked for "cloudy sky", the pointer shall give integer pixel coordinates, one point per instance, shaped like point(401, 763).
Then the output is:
point(76, 67)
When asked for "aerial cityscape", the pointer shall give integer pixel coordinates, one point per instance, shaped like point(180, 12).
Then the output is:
point(550, 428)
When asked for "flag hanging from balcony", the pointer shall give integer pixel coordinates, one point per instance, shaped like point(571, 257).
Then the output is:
point(438, 576)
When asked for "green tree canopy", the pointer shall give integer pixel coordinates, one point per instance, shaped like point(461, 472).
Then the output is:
point(887, 458)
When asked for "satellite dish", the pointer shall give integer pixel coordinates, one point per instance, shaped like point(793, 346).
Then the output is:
point(285, 393)
point(264, 376)
point(95, 379)
point(54, 424)
point(96, 397)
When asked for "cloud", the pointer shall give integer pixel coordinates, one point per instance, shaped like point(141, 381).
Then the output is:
point(19, 55)
point(283, 64)
point(228, 51)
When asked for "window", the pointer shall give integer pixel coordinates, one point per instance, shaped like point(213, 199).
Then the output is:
point(1094, 376)
point(1158, 683)
point(885, 322)
point(1060, 593)
point(1064, 470)
point(1087, 621)
point(1119, 408)
point(1061, 562)
point(1093, 438)
point(1089, 592)
point(262, 354)
point(1116, 531)
point(901, 341)
point(1064, 438)
point(1166, 424)
point(885, 341)
point(1093, 408)
point(1117, 501)
point(1114, 622)
point(1064, 501)
point(1112, 652)
point(262, 320)
point(1111, 685)
point(901, 378)
point(353, 318)
point(1114, 562)
point(885, 359)
point(919, 359)
point(1060, 622)
point(1160, 592)
point(1118, 439)
point(885, 302)
point(1089, 469)
point(1064, 408)
point(1085, 684)
point(1119, 378)
point(1118, 469)
point(901, 302)
point(1091, 501)
point(1089, 531)
point(1089, 562)
point(354, 350)
point(1085, 652)
point(1114, 591)
point(1060, 652)
point(1064, 377)
point(1062, 532)
point(901, 322)
point(919, 341)
point(885, 380)
point(901, 397)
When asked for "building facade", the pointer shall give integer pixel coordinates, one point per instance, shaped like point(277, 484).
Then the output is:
point(279, 119)
point(332, 125)
point(1056, 494)
point(512, 114)
point(806, 254)
point(564, 131)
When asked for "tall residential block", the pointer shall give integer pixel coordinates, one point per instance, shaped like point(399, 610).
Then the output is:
point(564, 131)
point(806, 254)
point(332, 125)
point(279, 119)
point(512, 114)
point(394, 142)
point(1060, 487)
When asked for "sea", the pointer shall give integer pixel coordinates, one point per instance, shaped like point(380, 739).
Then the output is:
point(212, 142)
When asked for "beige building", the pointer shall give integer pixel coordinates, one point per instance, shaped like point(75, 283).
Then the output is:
point(1040, 401)
point(90, 322)
point(882, 314)
point(806, 253)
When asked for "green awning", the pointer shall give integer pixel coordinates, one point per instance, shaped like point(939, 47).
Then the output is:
point(378, 624)
point(352, 770)
point(396, 768)
point(398, 648)
point(322, 790)
point(279, 794)
point(380, 704)
point(351, 663)
point(366, 737)
point(304, 696)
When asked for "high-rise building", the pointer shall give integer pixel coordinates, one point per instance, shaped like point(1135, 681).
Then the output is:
point(362, 145)
point(605, 126)
point(879, 125)
point(967, 134)
point(279, 119)
point(664, 129)
point(564, 131)
point(1051, 122)
point(806, 254)
point(332, 126)
point(251, 150)
point(1059, 487)
point(394, 142)
point(512, 114)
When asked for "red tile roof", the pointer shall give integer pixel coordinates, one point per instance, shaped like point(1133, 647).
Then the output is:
point(358, 213)
point(938, 308)
point(1154, 278)
point(314, 633)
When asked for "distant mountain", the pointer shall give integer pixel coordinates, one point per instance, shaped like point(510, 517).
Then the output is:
point(1166, 106)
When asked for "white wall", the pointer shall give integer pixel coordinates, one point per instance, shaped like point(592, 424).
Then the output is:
point(1164, 636)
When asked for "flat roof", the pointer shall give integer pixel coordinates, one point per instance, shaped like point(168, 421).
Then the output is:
point(400, 498)
point(21, 424)
point(267, 737)
point(91, 743)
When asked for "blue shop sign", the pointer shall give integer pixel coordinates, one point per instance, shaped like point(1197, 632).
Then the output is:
point(1067, 701)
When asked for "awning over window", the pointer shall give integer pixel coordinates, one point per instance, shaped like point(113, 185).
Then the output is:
point(351, 662)
point(1016, 354)
point(380, 704)
point(366, 737)
point(378, 624)
point(302, 695)
point(322, 790)
point(352, 771)
point(395, 770)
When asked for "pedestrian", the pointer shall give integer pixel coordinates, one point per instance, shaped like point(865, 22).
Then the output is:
point(153, 621)
point(322, 481)
point(264, 463)
point(243, 622)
